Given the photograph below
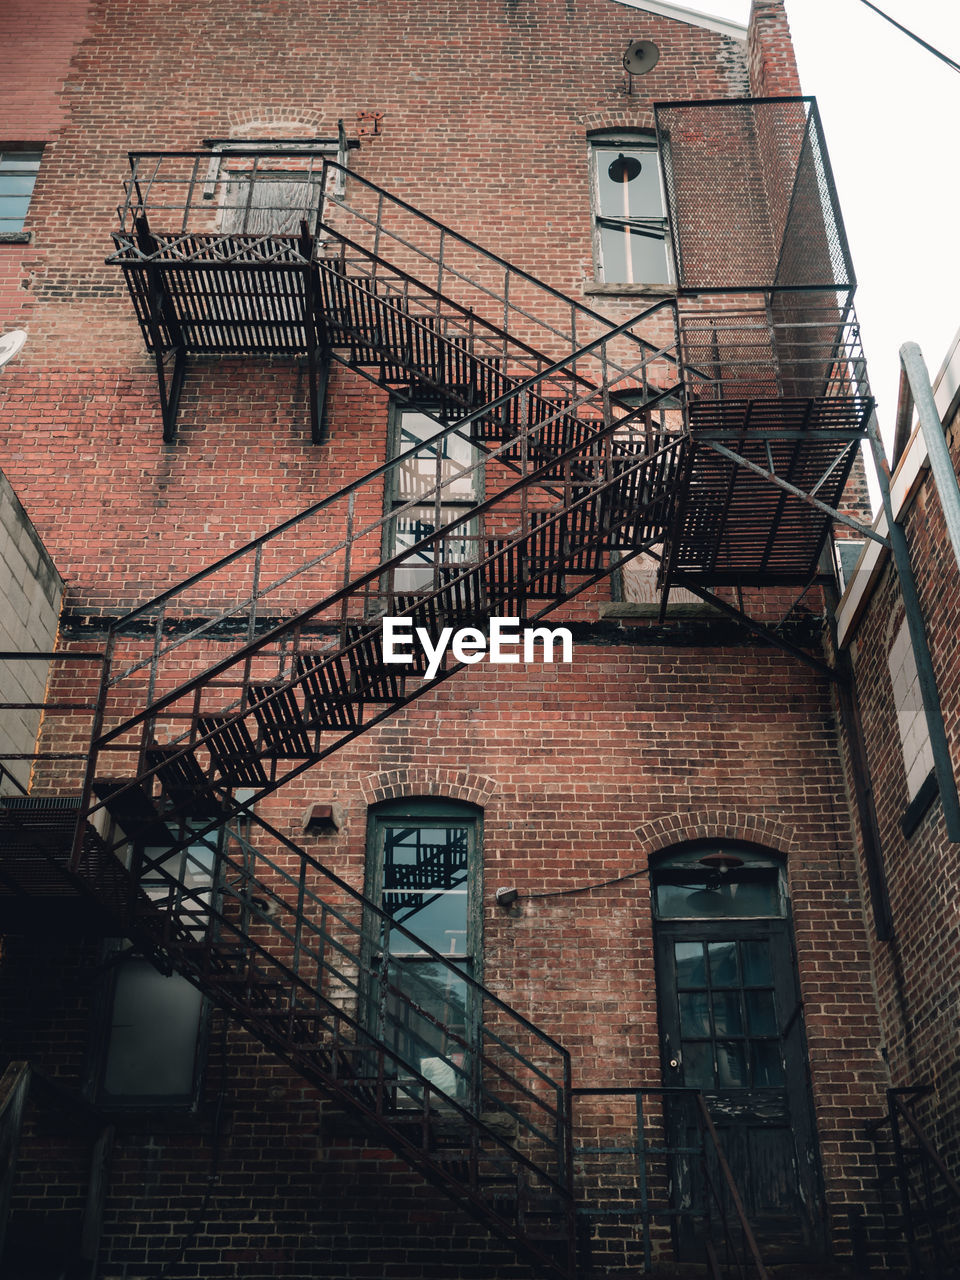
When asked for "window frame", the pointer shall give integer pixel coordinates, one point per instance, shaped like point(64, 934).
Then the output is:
point(394, 500)
point(640, 140)
point(682, 867)
point(424, 812)
point(19, 234)
point(916, 749)
point(118, 954)
point(248, 152)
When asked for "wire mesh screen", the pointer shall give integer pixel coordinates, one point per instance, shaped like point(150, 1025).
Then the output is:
point(751, 197)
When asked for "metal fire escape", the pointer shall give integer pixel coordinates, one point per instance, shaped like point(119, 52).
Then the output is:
point(714, 434)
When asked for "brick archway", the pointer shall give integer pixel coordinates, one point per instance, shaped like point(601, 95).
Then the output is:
point(274, 122)
point(453, 784)
point(663, 833)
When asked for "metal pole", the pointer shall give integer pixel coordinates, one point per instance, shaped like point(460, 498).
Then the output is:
point(941, 464)
point(918, 638)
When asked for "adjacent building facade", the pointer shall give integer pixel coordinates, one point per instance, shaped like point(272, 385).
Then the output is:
point(496, 948)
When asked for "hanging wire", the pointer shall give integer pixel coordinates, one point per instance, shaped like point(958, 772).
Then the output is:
point(907, 32)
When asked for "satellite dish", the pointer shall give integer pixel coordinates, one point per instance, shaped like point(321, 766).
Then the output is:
point(10, 344)
point(641, 56)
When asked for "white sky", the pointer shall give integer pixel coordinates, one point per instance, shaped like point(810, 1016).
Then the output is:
point(890, 113)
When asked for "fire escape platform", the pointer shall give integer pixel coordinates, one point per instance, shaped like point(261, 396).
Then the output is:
point(36, 841)
point(219, 295)
point(737, 527)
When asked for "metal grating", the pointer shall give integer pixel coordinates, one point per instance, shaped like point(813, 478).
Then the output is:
point(750, 196)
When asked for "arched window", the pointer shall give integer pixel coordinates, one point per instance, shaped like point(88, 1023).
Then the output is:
point(718, 881)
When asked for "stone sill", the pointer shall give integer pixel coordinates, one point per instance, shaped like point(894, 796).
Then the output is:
point(629, 611)
point(630, 290)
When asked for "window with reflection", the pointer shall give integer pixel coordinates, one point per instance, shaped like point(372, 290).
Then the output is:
point(423, 872)
point(630, 218)
point(19, 167)
point(712, 884)
point(435, 485)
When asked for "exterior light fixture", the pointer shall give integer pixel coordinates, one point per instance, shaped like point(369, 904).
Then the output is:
point(722, 862)
point(507, 897)
point(322, 820)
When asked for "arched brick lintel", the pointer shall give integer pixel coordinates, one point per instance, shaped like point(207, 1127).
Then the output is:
point(453, 784)
point(663, 833)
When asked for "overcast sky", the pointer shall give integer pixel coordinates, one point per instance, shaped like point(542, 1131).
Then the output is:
point(890, 112)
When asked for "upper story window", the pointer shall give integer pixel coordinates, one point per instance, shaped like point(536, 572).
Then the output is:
point(911, 718)
point(271, 186)
point(630, 217)
point(444, 475)
point(18, 174)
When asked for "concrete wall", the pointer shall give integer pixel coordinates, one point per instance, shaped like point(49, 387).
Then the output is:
point(30, 595)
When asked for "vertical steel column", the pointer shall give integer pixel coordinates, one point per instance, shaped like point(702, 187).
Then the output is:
point(918, 638)
point(941, 464)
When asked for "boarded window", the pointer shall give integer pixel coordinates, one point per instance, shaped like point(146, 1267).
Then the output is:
point(908, 703)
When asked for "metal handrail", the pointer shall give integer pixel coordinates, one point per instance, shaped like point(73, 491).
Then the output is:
point(462, 423)
point(732, 1189)
point(639, 1149)
point(14, 1085)
point(307, 973)
point(331, 166)
point(918, 1202)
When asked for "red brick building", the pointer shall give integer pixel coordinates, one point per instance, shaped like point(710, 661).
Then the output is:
point(328, 965)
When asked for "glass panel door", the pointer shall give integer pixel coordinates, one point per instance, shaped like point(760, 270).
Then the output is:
point(426, 869)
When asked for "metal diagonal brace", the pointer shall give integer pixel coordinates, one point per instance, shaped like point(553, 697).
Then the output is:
point(679, 579)
point(864, 530)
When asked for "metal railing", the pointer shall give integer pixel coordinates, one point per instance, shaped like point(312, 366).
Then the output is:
point(466, 1088)
point(653, 1184)
point(928, 1194)
point(791, 346)
point(14, 1086)
point(582, 477)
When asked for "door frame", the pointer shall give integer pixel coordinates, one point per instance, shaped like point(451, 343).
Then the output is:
point(797, 1090)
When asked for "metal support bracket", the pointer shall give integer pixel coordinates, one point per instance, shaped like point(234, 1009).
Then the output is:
point(318, 352)
point(165, 334)
point(170, 388)
point(864, 530)
point(757, 628)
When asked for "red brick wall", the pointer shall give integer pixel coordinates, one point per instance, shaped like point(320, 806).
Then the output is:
point(37, 43)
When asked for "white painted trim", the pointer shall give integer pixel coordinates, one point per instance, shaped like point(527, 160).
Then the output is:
point(946, 385)
point(692, 17)
point(904, 483)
